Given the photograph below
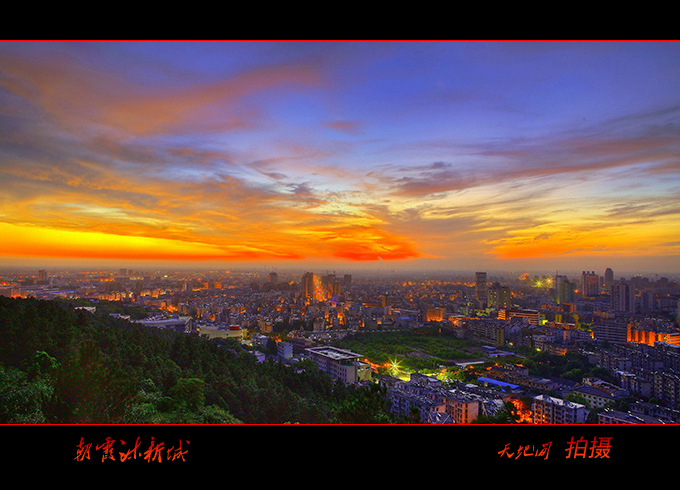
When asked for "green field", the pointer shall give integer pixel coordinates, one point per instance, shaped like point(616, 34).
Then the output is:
point(422, 350)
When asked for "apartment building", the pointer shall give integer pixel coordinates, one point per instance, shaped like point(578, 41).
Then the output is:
point(340, 364)
point(550, 410)
point(462, 408)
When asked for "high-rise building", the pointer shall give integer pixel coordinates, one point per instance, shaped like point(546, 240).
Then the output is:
point(590, 284)
point(308, 285)
point(608, 277)
point(565, 290)
point(480, 289)
point(622, 297)
point(499, 296)
point(333, 290)
point(648, 300)
point(330, 285)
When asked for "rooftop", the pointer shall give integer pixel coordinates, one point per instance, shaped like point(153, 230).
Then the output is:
point(334, 353)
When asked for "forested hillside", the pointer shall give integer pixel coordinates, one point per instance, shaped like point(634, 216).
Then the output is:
point(61, 365)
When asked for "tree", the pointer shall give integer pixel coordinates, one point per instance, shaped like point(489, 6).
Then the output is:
point(43, 364)
point(189, 392)
point(577, 398)
point(509, 414)
point(413, 415)
point(89, 388)
point(21, 399)
point(73, 366)
point(365, 405)
point(213, 414)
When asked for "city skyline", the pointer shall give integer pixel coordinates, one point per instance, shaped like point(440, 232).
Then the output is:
point(401, 155)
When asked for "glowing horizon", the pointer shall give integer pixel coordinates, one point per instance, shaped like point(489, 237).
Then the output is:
point(433, 155)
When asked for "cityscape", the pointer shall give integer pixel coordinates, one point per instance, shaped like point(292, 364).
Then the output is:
point(340, 232)
point(491, 329)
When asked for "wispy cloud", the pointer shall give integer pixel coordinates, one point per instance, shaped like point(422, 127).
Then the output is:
point(334, 150)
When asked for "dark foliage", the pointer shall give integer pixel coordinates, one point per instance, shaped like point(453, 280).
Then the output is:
point(63, 365)
point(572, 366)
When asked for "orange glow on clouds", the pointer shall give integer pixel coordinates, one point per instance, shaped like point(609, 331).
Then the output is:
point(30, 241)
point(656, 237)
point(248, 151)
point(46, 242)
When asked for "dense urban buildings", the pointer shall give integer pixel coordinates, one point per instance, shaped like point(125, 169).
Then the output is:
point(625, 326)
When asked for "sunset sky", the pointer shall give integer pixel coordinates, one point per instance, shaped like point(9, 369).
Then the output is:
point(407, 155)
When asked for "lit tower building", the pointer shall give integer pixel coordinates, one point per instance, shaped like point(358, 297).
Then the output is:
point(480, 289)
point(590, 284)
point(499, 296)
point(330, 286)
point(308, 285)
point(333, 290)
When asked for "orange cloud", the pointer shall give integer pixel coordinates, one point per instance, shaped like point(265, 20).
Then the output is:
point(650, 238)
point(363, 243)
point(27, 241)
point(389, 248)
